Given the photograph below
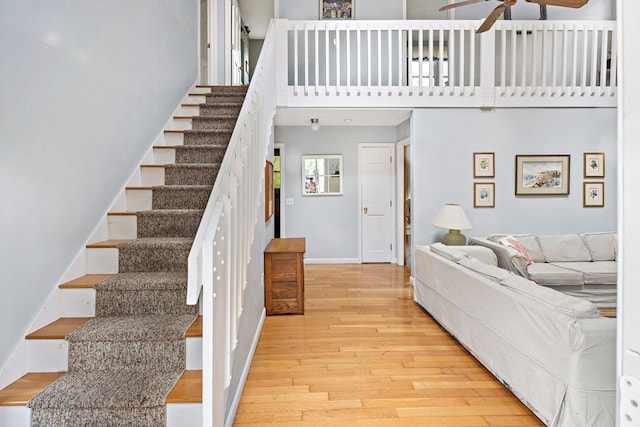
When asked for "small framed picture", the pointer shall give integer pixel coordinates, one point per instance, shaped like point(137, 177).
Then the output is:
point(594, 165)
point(483, 165)
point(484, 194)
point(593, 194)
point(336, 9)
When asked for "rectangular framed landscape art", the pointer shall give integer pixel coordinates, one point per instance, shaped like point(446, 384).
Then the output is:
point(484, 194)
point(336, 9)
point(542, 174)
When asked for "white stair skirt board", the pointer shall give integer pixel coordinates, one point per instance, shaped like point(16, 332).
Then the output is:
point(162, 155)
point(151, 175)
point(139, 199)
point(102, 260)
point(184, 414)
point(15, 416)
point(123, 226)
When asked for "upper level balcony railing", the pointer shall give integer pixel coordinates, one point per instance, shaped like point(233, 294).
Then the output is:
point(435, 63)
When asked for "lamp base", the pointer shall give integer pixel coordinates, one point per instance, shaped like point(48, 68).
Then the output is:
point(454, 238)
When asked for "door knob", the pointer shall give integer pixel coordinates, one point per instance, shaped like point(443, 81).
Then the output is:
point(366, 210)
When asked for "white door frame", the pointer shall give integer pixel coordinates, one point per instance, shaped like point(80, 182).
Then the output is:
point(399, 210)
point(394, 197)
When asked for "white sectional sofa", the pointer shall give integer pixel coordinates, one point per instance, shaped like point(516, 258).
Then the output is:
point(553, 351)
point(582, 265)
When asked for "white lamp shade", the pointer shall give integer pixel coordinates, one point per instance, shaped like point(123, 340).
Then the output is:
point(451, 216)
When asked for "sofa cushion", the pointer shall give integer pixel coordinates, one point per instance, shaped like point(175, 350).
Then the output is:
point(602, 246)
point(529, 242)
point(571, 306)
point(564, 248)
point(513, 243)
point(491, 271)
point(483, 254)
point(601, 272)
point(447, 252)
point(545, 273)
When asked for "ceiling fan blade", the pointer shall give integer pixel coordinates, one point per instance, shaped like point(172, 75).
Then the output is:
point(494, 15)
point(458, 4)
point(564, 3)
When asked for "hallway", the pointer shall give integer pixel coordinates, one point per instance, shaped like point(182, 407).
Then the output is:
point(364, 354)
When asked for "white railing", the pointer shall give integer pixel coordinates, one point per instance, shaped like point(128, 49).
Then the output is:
point(445, 63)
point(219, 259)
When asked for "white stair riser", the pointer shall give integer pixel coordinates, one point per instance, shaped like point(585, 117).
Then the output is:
point(189, 110)
point(181, 123)
point(163, 156)
point(52, 355)
point(151, 175)
point(139, 199)
point(102, 260)
point(17, 416)
point(47, 355)
point(122, 226)
point(184, 414)
point(78, 302)
point(173, 138)
point(195, 99)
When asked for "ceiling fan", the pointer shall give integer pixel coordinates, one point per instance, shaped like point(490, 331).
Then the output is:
point(505, 4)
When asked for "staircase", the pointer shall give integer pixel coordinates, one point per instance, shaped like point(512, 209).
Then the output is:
point(126, 364)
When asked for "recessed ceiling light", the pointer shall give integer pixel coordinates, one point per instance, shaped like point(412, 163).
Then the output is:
point(347, 120)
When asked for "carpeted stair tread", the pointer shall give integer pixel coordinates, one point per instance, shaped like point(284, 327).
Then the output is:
point(210, 153)
point(154, 254)
point(181, 196)
point(168, 222)
point(107, 389)
point(191, 174)
point(213, 122)
point(219, 108)
point(159, 327)
point(206, 136)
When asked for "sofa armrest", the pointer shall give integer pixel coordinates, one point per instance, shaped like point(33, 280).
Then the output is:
point(508, 258)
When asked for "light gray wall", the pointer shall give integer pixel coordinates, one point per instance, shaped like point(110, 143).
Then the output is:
point(364, 9)
point(85, 89)
point(329, 223)
point(442, 146)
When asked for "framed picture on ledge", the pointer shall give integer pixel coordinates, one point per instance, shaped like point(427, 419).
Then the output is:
point(336, 9)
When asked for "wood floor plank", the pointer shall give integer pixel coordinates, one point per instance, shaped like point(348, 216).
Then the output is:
point(364, 354)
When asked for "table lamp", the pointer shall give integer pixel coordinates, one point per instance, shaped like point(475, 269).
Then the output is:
point(452, 217)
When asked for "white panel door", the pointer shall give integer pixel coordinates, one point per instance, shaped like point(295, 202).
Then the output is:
point(376, 209)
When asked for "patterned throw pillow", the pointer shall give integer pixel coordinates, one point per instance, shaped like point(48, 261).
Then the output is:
point(512, 242)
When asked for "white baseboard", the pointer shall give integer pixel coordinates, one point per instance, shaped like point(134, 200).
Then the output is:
point(332, 261)
point(245, 372)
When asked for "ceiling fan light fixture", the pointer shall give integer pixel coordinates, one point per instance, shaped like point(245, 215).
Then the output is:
point(315, 126)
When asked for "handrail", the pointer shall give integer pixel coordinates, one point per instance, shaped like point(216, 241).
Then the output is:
point(220, 254)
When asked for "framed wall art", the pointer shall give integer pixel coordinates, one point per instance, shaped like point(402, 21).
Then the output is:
point(268, 191)
point(594, 165)
point(484, 194)
point(593, 194)
point(542, 174)
point(336, 9)
point(483, 165)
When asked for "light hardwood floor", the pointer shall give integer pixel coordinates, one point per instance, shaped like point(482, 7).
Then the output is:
point(364, 354)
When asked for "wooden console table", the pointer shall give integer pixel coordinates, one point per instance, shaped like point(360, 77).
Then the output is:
point(284, 276)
